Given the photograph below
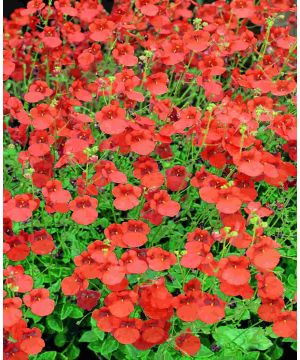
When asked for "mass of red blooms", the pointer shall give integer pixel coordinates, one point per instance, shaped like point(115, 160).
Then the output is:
point(97, 88)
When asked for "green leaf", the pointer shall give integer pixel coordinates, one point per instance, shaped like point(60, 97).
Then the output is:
point(252, 355)
point(73, 352)
point(108, 346)
point(203, 353)
point(60, 339)
point(95, 346)
point(48, 355)
point(54, 324)
point(76, 313)
point(88, 336)
point(244, 339)
point(104, 222)
point(66, 311)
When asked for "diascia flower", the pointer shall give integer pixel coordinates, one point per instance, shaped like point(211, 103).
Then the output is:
point(126, 196)
point(32, 342)
point(87, 299)
point(41, 242)
point(233, 270)
point(264, 255)
point(269, 286)
point(20, 207)
point(11, 311)
point(18, 248)
point(159, 259)
point(112, 119)
point(38, 91)
point(285, 324)
point(157, 83)
point(160, 201)
point(17, 280)
point(188, 343)
point(269, 310)
point(186, 306)
point(132, 263)
point(211, 309)
point(176, 178)
point(197, 40)
point(135, 233)
point(84, 209)
point(74, 283)
point(39, 302)
point(121, 304)
point(127, 330)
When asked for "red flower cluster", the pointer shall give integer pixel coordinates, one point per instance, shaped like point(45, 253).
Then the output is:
point(130, 114)
point(19, 340)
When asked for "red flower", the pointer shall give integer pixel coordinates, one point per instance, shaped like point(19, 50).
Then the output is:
point(127, 331)
point(269, 309)
point(233, 270)
point(38, 91)
point(154, 332)
point(87, 299)
point(32, 7)
point(112, 119)
point(159, 259)
point(126, 196)
point(147, 8)
point(20, 207)
point(11, 311)
point(176, 178)
point(105, 320)
point(186, 307)
point(211, 309)
point(43, 116)
point(140, 142)
point(74, 283)
point(39, 303)
point(188, 343)
point(124, 55)
point(87, 263)
point(101, 30)
point(161, 202)
point(197, 253)
point(157, 83)
point(18, 247)
point(269, 286)
point(242, 8)
point(264, 255)
point(31, 342)
point(16, 280)
point(41, 242)
point(121, 304)
point(135, 233)
point(132, 263)
point(283, 87)
point(286, 324)
point(50, 37)
point(84, 209)
point(250, 163)
point(197, 40)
